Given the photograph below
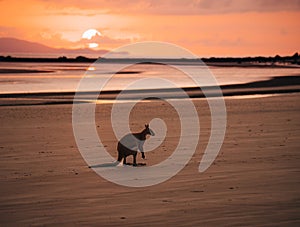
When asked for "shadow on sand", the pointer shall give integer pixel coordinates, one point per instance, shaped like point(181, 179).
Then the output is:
point(113, 164)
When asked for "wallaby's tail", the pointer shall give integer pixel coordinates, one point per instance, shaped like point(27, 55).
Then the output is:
point(120, 163)
point(120, 159)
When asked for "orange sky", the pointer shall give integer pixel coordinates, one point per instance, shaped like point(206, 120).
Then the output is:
point(205, 27)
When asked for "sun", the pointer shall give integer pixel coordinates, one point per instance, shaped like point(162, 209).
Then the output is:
point(90, 33)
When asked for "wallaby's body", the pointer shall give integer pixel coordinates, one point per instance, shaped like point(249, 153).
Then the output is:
point(131, 143)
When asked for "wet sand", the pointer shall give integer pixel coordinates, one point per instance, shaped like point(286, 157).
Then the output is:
point(253, 182)
point(14, 71)
point(275, 85)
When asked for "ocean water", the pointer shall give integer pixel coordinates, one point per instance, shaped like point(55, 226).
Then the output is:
point(62, 77)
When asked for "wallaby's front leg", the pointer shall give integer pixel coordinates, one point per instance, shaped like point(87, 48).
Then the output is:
point(134, 159)
point(124, 160)
point(141, 148)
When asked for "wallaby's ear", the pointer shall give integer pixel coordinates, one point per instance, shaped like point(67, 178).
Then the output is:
point(146, 126)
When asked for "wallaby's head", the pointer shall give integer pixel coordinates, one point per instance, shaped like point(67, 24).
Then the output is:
point(149, 131)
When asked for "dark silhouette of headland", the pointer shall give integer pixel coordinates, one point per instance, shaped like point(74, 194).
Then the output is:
point(259, 61)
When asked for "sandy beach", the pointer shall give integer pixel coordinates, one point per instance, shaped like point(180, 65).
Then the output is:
point(253, 182)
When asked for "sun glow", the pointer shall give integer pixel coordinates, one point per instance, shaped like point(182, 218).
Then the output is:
point(93, 45)
point(91, 68)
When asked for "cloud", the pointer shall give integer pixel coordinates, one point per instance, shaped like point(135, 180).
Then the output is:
point(103, 40)
point(240, 6)
point(179, 7)
point(7, 31)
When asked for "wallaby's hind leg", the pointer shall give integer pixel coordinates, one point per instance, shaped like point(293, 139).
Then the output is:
point(120, 152)
point(120, 157)
point(124, 160)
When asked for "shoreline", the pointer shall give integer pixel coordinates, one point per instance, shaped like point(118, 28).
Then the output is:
point(275, 85)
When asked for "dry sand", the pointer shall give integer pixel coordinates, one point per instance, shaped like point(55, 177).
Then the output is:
point(253, 182)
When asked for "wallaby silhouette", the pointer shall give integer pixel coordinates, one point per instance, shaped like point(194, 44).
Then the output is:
point(131, 143)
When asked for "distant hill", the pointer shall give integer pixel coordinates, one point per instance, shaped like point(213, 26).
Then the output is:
point(13, 45)
point(17, 45)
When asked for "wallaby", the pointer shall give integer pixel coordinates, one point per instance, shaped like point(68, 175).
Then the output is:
point(131, 143)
